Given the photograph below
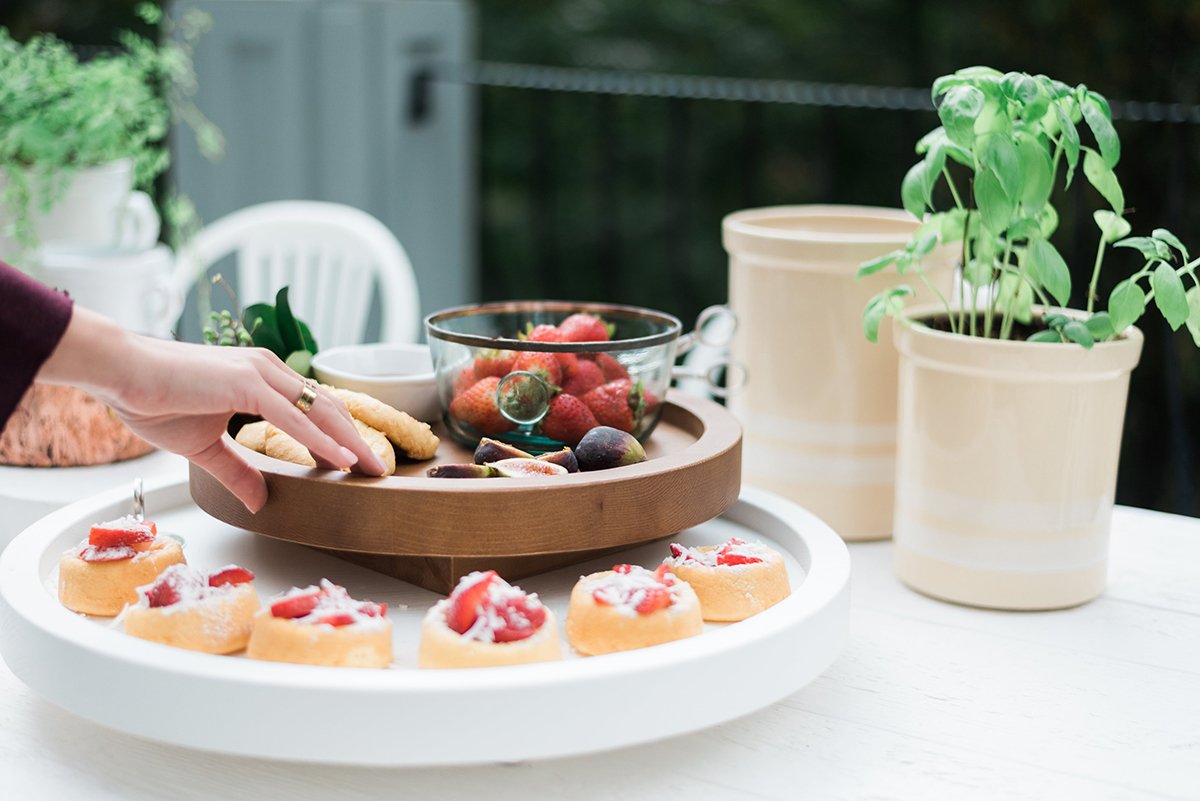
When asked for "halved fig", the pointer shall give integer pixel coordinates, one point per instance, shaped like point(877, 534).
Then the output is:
point(525, 468)
point(493, 450)
point(461, 471)
point(564, 458)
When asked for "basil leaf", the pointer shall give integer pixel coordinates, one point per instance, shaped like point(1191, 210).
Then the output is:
point(995, 206)
point(1193, 320)
point(1112, 226)
point(289, 332)
point(1100, 176)
point(1102, 129)
point(1045, 336)
point(1163, 235)
point(1126, 304)
point(1100, 324)
point(875, 265)
point(912, 190)
point(998, 153)
point(1169, 295)
point(959, 109)
point(1050, 270)
point(1078, 332)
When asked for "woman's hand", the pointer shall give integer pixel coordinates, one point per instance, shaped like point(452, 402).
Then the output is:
point(180, 397)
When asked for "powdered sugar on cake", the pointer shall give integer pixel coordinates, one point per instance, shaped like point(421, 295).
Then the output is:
point(503, 613)
point(179, 588)
point(331, 605)
point(732, 553)
point(630, 589)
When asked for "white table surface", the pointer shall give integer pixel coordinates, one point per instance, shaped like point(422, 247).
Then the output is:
point(929, 701)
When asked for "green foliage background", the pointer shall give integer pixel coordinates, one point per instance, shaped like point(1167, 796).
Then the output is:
point(620, 198)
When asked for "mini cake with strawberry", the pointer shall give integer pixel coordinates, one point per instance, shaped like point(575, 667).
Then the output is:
point(322, 626)
point(209, 612)
point(631, 607)
point(102, 574)
point(486, 622)
point(733, 580)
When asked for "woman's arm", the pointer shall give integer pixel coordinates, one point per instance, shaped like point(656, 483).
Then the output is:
point(180, 397)
point(33, 318)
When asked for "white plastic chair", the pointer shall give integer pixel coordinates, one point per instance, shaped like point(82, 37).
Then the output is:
point(331, 255)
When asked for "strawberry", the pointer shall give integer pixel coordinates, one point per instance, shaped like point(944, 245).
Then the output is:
point(663, 575)
point(521, 620)
point(477, 408)
point(618, 404)
point(115, 554)
point(337, 619)
point(655, 598)
point(464, 381)
point(568, 419)
point(172, 585)
point(581, 377)
point(297, 605)
point(494, 362)
point(544, 365)
point(583, 328)
point(122, 532)
point(542, 333)
point(736, 559)
point(372, 609)
point(613, 370)
point(163, 593)
point(230, 575)
point(467, 599)
point(677, 550)
point(623, 569)
point(651, 401)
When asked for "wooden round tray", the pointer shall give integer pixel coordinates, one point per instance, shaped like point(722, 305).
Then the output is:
point(431, 531)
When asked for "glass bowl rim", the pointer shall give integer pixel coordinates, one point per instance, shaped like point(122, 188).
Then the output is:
point(673, 326)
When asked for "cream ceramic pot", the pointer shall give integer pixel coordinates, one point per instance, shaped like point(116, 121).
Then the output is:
point(1007, 465)
point(819, 408)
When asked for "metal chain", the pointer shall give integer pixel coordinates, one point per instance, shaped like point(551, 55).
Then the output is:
point(744, 90)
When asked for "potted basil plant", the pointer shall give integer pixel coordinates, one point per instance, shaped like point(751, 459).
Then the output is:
point(1011, 404)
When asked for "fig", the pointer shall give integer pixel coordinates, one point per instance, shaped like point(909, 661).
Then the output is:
point(526, 468)
point(461, 471)
point(564, 458)
point(604, 447)
point(493, 450)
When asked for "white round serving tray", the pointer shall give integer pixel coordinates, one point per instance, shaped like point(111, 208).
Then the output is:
point(405, 716)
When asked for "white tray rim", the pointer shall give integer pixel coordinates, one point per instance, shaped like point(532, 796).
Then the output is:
point(23, 596)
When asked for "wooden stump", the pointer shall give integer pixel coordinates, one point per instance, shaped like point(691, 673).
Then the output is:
point(64, 427)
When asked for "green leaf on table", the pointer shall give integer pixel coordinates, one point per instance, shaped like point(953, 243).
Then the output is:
point(310, 342)
point(1169, 295)
point(1078, 332)
point(1163, 235)
point(959, 109)
point(1100, 176)
point(1102, 129)
point(999, 154)
point(259, 320)
point(1049, 335)
point(300, 361)
point(995, 206)
point(289, 331)
point(1112, 225)
point(1047, 265)
point(875, 265)
point(1101, 326)
point(1126, 304)
point(1193, 320)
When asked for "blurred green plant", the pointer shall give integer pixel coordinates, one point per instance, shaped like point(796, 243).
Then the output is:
point(59, 114)
point(263, 325)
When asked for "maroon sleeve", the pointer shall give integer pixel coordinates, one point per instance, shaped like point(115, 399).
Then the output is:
point(33, 318)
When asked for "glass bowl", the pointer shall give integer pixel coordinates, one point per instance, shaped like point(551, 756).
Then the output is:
point(491, 384)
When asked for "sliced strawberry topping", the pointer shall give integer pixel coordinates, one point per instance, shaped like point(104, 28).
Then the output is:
point(467, 599)
point(677, 550)
point(656, 598)
point(230, 575)
point(337, 619)
point(122, 532)
point(662, 576)
point(521, 620)
point(371, 609)
point(91, 553)
point(164, 593)
point(730, 559)
point(296, 605)
point(624, 570)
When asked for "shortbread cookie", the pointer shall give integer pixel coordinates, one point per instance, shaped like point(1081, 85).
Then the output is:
point(322, 626)
point(280, 445)
point(733, 580)
point(630, 607)
point(101, 574)
point(212, 613)
point(413, 437)
point(254, 436)
point(379, 445)
point(486, 622)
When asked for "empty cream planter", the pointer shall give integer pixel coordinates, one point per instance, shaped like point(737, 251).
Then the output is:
point(819, 409)
point(1007, 465)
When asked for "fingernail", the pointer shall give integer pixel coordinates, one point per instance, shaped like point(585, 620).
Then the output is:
point(349, 457)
